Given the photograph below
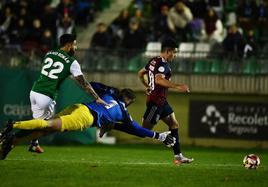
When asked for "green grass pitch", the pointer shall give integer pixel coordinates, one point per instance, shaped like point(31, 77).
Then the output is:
point(130, 165)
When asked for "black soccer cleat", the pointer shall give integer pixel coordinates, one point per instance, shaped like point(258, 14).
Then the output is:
point(6, 145)
point(7, 129)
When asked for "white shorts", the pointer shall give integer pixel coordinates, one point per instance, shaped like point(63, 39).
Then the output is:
point(43, 107)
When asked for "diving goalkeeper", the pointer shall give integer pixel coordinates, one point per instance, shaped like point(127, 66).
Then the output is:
point(80, 116)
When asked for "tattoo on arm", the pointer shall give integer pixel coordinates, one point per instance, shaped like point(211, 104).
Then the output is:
point(86, 86)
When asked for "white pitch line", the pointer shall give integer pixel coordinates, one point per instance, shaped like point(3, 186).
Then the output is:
point(95, 162)
point(124, 163)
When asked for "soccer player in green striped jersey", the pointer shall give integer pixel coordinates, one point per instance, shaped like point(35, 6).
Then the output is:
point(57, 65)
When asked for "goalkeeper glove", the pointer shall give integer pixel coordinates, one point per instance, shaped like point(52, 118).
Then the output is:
point(166, 138)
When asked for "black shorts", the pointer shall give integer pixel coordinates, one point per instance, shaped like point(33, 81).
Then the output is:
point(154, 113)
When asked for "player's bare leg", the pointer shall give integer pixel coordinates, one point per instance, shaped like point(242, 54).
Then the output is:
point(54, 126)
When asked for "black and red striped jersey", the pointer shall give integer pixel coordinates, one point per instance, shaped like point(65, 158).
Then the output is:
point(157, 93)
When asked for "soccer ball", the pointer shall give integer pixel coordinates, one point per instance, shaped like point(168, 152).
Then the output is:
point(251, 161)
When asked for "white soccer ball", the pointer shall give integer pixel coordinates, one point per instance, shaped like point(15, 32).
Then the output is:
point(251, 161)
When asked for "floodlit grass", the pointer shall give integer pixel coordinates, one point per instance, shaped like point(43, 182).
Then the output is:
point(129, 165)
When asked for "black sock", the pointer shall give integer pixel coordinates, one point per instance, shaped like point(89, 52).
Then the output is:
point(35, 142)
point(176, 147)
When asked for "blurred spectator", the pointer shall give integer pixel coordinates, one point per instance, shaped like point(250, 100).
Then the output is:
point(134, 38)
point(120, 26)
point(246, 12)
point(54, 3)
point(66, 18)
point(5, 25)
point(36, 31)
point(47, 41)
point(161, 29)
point(65, 25)
point(262, 22)
point(213, 27)
point(197, 30)
point(49, 18)
point(66, 8)
point(23, 14)
point(13, 4)
point(84, 12)
point(122, 21)
point(157, 4)
point(101, 38)
point(234, 43)
point(58, 16)
point(19, 32)
point(179, 18)
point(262, 11)
point(140, 18)
point(217, 5)
point(251, 45)
point(33, 37)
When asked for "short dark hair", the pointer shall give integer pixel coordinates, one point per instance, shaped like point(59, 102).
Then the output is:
point(67, 38)
point(169, 44)
point(126, 92)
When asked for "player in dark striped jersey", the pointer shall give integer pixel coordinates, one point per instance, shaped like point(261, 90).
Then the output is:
point(158, 74)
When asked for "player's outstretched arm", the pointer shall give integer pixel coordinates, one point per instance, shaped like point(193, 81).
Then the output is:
point(160, 80)
point(88, 88)
point(77, 74)
point(137, 130)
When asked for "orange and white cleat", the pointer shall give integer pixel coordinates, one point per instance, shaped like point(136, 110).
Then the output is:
point(180, 159)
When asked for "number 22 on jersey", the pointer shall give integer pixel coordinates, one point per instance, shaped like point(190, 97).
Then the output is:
point(52, 69)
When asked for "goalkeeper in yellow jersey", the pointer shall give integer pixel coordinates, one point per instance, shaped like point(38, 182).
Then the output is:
point(80, 116)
